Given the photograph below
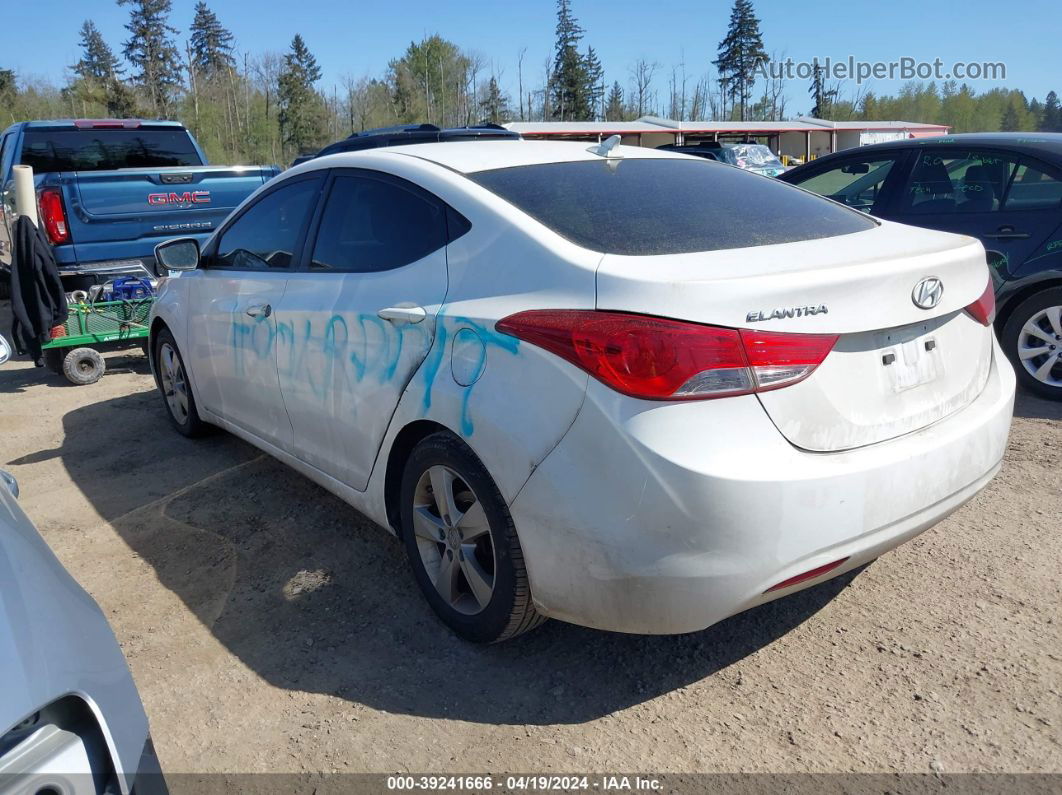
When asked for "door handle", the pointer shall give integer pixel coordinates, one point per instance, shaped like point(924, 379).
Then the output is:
point(1007, 233)
point(259, 310)
point(403, 314)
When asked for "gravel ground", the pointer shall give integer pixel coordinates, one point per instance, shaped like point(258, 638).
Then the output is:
point(271, 627)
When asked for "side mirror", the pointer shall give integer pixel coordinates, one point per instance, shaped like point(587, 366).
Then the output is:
point(181, 254)
point(5, 350)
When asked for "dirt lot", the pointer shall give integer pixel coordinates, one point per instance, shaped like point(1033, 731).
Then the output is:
point(271, 627)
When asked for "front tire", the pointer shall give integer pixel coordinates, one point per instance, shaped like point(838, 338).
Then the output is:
point(1032, 340)
point(462, 544)
point(172, 379)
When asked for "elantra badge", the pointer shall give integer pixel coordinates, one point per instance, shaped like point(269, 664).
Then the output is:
point(927, 293)
point(785, 312)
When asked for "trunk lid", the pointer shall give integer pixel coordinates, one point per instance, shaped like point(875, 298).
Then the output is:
point(896, 367)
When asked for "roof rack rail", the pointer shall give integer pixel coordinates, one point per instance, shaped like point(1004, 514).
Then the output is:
point(404, 134)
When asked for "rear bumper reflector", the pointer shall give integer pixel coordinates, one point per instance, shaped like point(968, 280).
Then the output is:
point(807, 575)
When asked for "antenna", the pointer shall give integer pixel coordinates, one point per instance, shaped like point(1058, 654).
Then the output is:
point(606, 147)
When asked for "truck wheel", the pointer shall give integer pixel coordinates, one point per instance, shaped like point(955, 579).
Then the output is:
point(462, 545)
point(83, 366)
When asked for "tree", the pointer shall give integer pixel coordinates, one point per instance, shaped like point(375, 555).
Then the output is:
point(1051, 116)
point(8, 87)
point(595, 86)
point(151, 51)
point(642, 74)
point(571, 93)
point(97, 81)
point(301, 117)
point(98, 62)
point(822, 95)
point(494, 107)
point(1011, 121)
point(211, 44)
point(614, 110)
point(429, 83)
point(740, 52)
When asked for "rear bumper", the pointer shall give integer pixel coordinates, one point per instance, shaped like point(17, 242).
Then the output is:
point(667, 518)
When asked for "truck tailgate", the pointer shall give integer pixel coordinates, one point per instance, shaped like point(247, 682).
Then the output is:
point(136, 203)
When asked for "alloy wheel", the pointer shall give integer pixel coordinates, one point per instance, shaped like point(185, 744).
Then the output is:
point(1040, 346)
point(174, 384)
point(453, 539)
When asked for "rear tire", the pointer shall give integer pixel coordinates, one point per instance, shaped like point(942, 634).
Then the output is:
point(83, 366)
point(462, 544)
point(1032, 340)
point(172, 379)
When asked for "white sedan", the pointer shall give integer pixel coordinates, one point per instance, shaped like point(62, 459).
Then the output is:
point(615, 386)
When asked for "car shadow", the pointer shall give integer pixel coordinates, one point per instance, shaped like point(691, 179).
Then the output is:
point(312, 596)
point(1031, 407)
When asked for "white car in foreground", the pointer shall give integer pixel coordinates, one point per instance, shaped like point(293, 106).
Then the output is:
point(71, 720)
point(616, 386)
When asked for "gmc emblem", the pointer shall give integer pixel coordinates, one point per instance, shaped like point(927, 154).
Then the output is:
point(188, 197)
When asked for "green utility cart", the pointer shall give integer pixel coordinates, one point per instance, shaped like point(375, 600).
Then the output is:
point(74, 350)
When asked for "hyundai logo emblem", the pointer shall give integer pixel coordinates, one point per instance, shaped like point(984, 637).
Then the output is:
point(927, 293)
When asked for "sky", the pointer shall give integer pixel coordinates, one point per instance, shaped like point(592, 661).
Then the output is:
point(359, 38)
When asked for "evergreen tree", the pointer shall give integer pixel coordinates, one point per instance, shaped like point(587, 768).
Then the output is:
point(151, 51)
point(1011, 121)
point(1051, 117)
point(595, 86)
point(494, 107)
point(740, 53)
point(210, 43)
point(614, 110)
point(822, 96)
point(301, 122)
point(97, 62)
point(570, 95)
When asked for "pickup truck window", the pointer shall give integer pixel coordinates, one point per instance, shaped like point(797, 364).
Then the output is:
point(106, 150)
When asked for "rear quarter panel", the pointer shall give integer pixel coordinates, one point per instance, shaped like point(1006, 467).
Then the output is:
point(509, 401)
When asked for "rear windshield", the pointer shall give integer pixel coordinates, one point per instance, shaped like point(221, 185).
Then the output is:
point(106, 150)
point(645, 206)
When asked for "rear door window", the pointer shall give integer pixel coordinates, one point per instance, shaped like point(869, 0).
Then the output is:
point(107, 150)
point(948, 181)
point(371, 224)
point(646, 206)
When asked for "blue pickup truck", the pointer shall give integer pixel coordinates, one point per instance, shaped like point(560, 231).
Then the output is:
point(109, 190)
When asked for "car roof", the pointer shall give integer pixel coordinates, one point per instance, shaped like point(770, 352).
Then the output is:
point(468, 157)
point(1031, 143)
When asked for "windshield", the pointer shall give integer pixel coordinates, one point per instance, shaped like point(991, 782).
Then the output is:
point(645, 206)
point(751, 156)
point(107, 150)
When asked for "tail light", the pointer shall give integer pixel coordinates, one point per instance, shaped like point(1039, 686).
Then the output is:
point(660, 359)
point(983, 309)
point(53, 215)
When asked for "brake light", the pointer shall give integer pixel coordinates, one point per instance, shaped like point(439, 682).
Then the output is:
point(53, 215)
point(661, 359)
point(983, 309)
point(106, 124)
